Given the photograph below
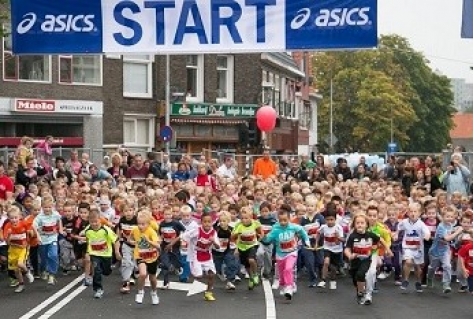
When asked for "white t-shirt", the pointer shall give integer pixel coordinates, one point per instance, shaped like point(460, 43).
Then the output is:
point(330, 235)
point(414, 235)
point(227, 172)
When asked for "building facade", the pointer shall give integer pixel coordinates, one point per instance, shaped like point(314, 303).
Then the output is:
point(463, 95)
point(107, 101)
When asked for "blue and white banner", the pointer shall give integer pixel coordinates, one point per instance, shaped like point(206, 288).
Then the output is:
point(466, 26)
point(191, 26)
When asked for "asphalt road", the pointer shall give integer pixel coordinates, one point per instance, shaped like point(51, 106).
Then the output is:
point(69, 300)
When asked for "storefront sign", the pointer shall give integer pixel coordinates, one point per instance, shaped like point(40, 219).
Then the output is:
point(56, 106)
point(213, 110)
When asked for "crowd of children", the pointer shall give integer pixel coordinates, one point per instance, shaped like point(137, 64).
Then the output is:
point(248, 227)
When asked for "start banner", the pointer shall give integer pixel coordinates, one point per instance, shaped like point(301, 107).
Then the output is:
point(190, 26)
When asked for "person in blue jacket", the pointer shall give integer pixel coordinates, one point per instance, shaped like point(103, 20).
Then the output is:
point(285, 235)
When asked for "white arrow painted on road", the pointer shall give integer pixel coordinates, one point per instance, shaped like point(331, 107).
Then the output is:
point(196, 287)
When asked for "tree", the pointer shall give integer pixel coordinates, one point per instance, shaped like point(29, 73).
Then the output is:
point(375, 91)
point(434, 97)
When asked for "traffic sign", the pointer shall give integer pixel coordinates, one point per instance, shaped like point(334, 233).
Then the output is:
point(166, 133)
point(392, 147)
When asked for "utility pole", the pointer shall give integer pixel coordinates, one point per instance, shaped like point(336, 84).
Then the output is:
point(167, 99)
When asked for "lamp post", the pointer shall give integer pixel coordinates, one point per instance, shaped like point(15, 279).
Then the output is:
point(331, 116)
point(391, 123)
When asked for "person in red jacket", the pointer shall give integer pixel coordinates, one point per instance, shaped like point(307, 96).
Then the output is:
point(205, 180)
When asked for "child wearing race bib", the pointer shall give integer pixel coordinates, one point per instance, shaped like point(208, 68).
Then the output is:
point(146, 243)
point(101, 241)
point(285, 235)
point(265, 251)
point(201, 240)
point(359, 249)
point(440, 251)
point(415, 232)
point(16, 234)
point(189, 223)
point(124, 230)
point(246, 235)
point(332, 235)
point(463, 240)
point(224, 254)
point(48, 225)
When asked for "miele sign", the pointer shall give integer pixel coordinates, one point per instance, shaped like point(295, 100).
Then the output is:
point(34, 106)
point(56, 106)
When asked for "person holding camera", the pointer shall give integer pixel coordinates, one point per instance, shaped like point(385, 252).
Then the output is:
point(456, 177)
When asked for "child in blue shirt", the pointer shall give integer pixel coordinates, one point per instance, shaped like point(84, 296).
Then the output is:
point(284, 235)
point(440, 252)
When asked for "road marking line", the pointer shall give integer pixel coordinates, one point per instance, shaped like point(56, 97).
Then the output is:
point(62, 303)
point(269, 300)
point(51, 299)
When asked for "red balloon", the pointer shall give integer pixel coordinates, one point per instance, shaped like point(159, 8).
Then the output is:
point(266, 118)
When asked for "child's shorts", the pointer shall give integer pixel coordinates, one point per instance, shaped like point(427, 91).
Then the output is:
point(198, 268)
point(416, 255)
point(151, 267)
point(16, 255)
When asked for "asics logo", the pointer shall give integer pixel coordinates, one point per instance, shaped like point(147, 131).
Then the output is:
point(57, 23)
point(27, 23)
point(337, 17)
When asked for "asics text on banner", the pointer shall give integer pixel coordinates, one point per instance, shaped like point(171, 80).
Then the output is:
point(56, 26)
point(331, 24)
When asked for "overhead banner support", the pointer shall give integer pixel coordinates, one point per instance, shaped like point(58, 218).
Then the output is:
point(191, 26)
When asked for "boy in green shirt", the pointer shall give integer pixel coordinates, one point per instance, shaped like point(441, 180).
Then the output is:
point(101, 241)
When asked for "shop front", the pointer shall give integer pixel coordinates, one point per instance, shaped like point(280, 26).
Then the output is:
point(73, 123)
point(209, 126)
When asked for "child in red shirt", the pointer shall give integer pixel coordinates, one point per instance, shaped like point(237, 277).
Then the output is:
point(465, 266)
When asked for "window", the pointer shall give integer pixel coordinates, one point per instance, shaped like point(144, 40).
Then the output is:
point(138, 131)
point(305, 116)
point(225, 78)
point(35, 68)
point(279, 106)
point(80, 69)
point(195, 78)
point(137, 76)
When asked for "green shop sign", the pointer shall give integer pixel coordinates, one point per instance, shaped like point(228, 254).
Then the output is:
point(213, 110)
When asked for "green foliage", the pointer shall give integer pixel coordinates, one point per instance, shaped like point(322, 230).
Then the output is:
point(4, 16)
point(375, 87)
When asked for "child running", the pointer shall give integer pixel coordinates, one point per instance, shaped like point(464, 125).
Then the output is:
point(17, 233)
point(246, 235)
point(415, 233)
point(48, 225)
point(333, 237)
point(440, 252)
point(201, 240)
point(146, 242)
point(359, 248)
point(100, 244)
point(284, 235)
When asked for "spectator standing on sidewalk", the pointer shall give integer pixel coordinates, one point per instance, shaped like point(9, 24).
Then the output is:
point(456, 177)
point(265, 166)
point(45, 153)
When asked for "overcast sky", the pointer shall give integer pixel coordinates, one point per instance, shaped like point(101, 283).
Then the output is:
point(433, 27)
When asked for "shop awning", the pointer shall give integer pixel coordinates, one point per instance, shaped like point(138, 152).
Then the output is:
point(209, 121)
